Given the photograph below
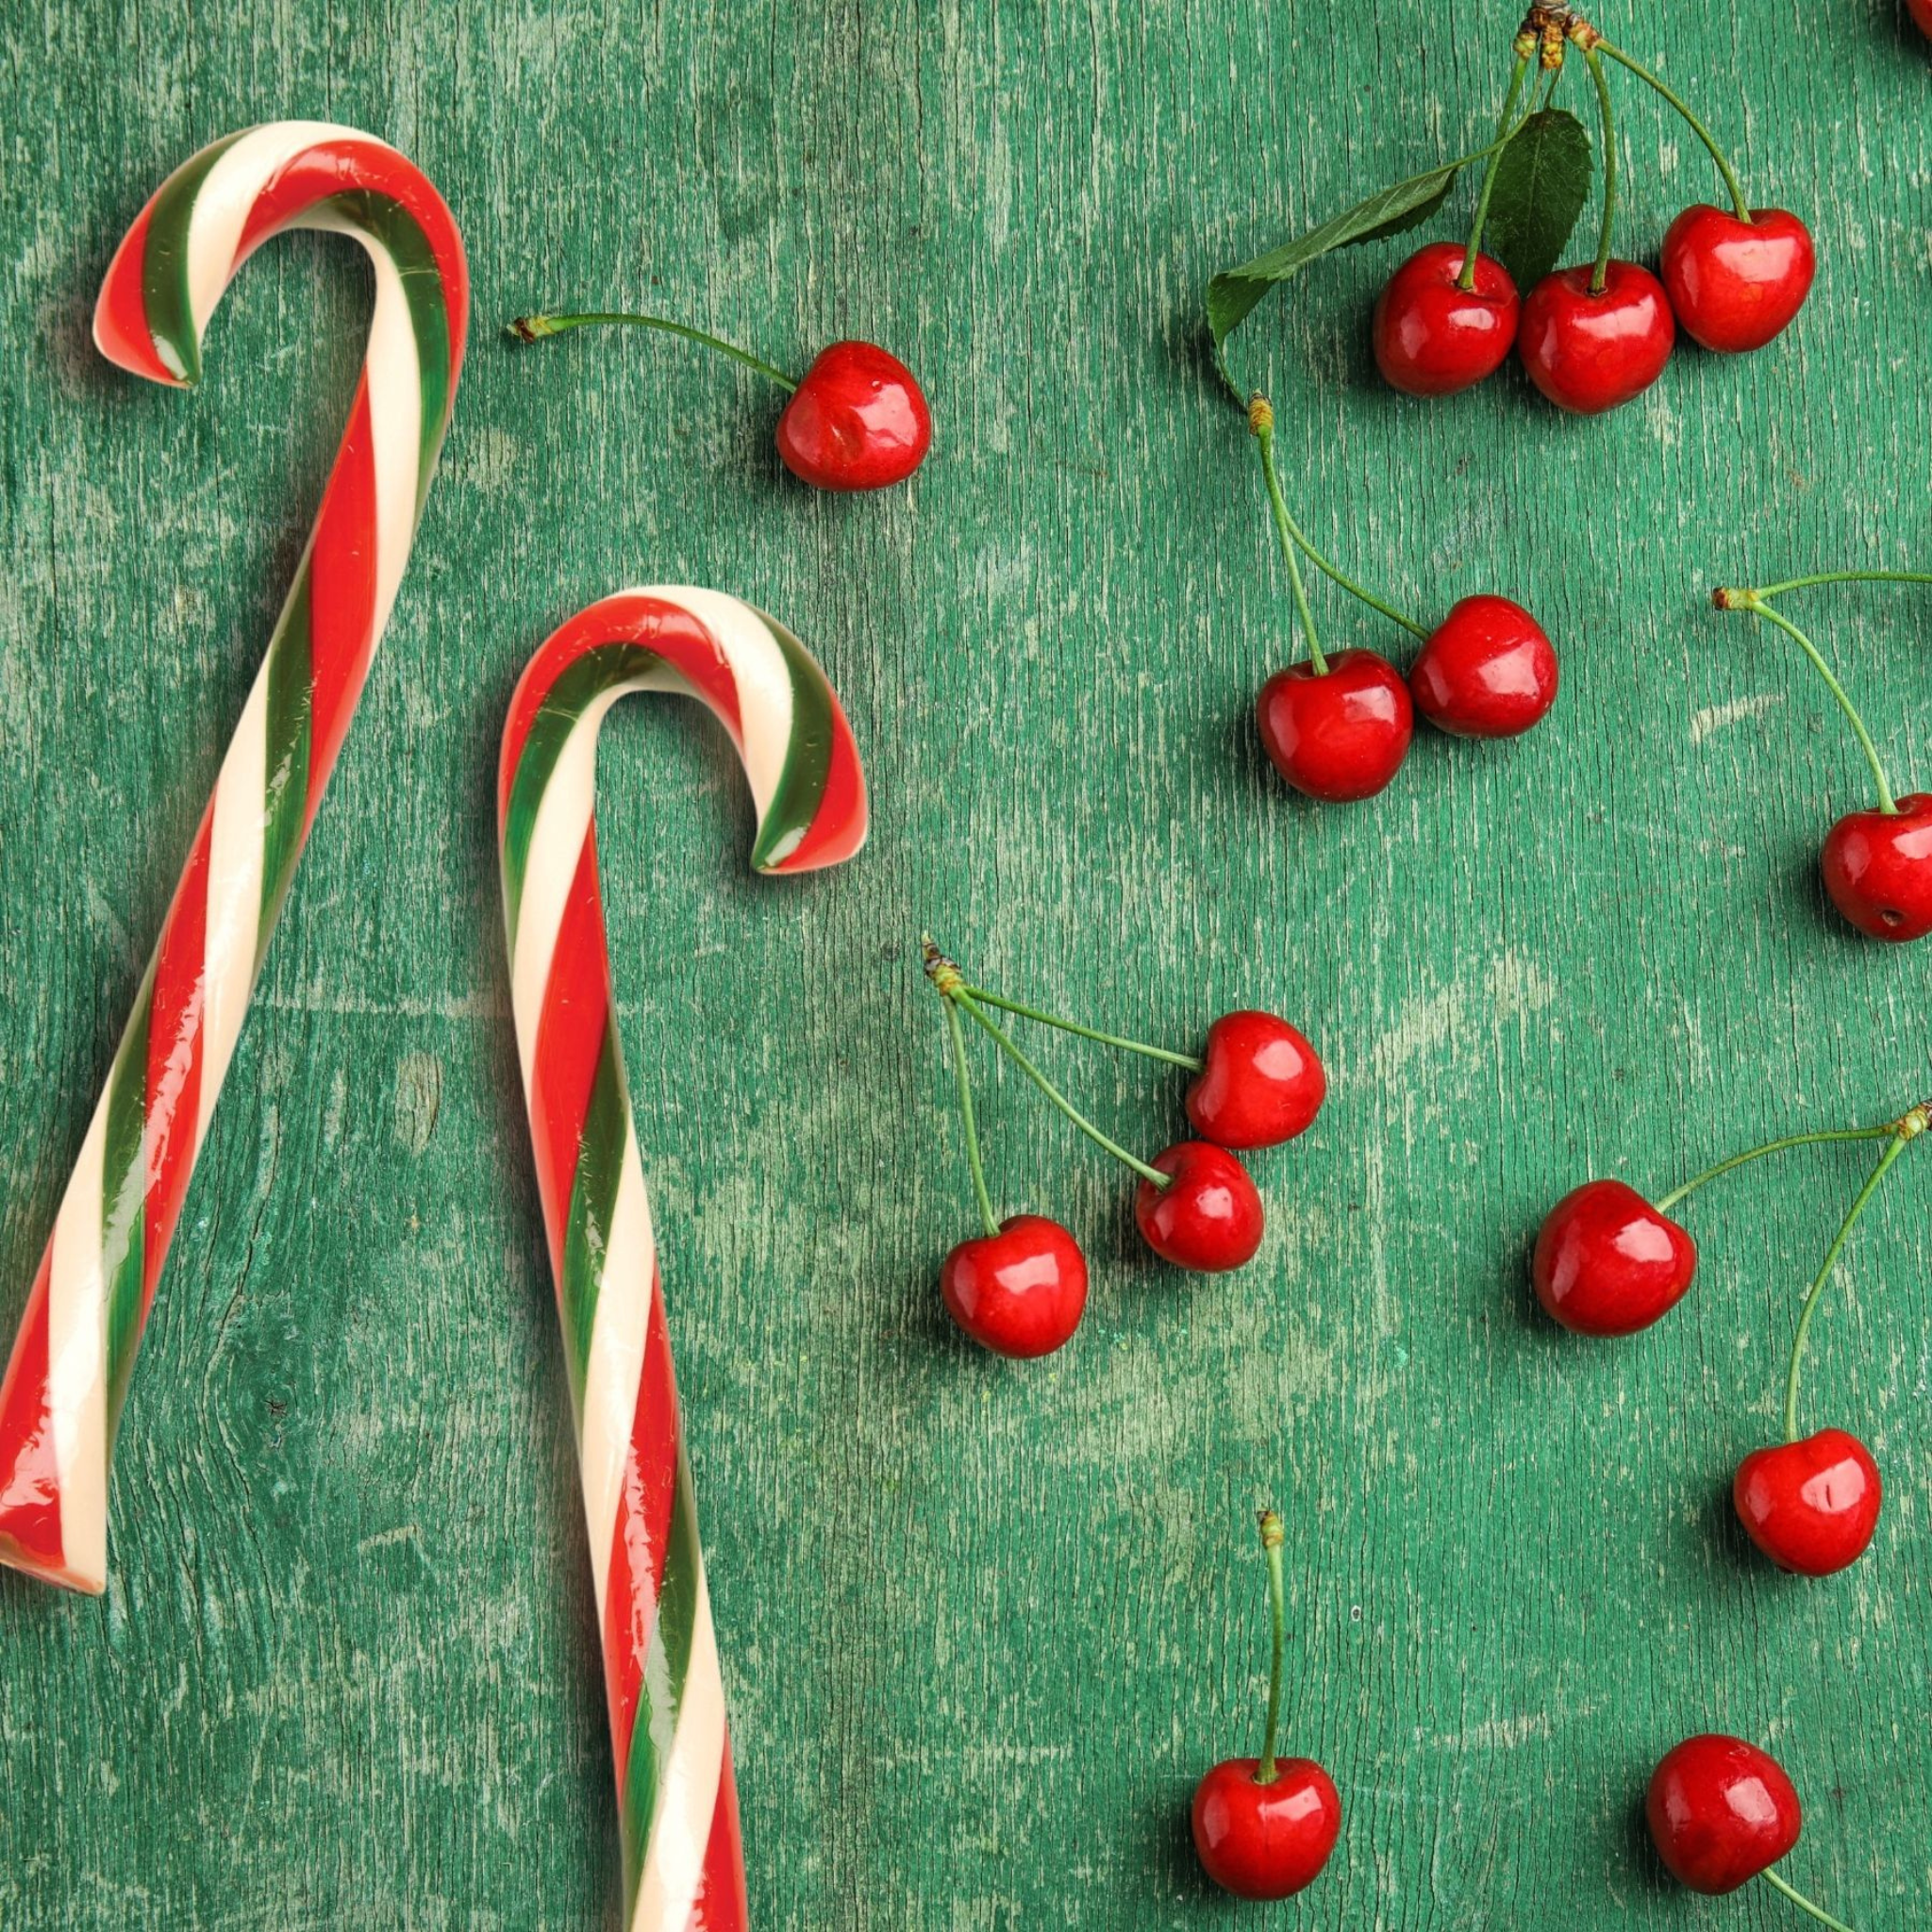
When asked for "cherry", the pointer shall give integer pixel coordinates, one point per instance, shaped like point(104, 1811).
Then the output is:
point(1207, 1216)
point(1265, 1841)
point(1811, 1507)
point(857, 421)
point(1340, 733)
point(1485, 670)
point(1432, 336)
point(1877, 868)
point(1734, 284)
point(1920, 12)
point(1606, 1262)
point(1260, 1082)
point(1589, 352)
point(1019, 1292)
point(1264, 1827)
point(1720, 1811)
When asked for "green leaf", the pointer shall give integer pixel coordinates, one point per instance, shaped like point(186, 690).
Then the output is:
point(1235, 291)
point(1541, 184)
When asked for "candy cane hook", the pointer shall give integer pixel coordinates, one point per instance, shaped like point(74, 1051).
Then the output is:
point(61, 1401)
point(678, 1809)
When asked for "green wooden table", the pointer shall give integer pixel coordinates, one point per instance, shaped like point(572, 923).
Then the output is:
point(982, 1625)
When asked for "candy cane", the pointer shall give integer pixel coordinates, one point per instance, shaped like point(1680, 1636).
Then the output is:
point(683, 1868)
point(60, 1402)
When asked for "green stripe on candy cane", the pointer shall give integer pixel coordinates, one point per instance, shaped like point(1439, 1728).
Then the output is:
point(593, 1204)
point(165, 263)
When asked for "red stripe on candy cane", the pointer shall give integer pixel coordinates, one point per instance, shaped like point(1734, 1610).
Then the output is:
point(30, 1508)
point(121, 319)
point(341, 596)
point(720, 1905)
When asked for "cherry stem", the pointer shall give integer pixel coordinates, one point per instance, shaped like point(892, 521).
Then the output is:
point(1697, 127)
point(1262, 412)
point(1273, 1536)
point(949, 983)
point(1505, 133)
point(1600, 279)
point(1753, 601)
point(1140, 1046)
point(1844, 577)
point(973, 1159)
point(1804, 1903)
point(534, 329)
point(1778, 1146)
point(1262, 421)
point(1905, 1131)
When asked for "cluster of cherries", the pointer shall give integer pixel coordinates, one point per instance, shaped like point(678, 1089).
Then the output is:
point(857, 419)
point(1609, 1262)
point(1595, 336)
point(1338, 724)
point(1020, 1289)
point(1878, 862)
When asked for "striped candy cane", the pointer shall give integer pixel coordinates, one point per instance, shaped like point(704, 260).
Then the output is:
point(683, 1868)
point(60, 1402)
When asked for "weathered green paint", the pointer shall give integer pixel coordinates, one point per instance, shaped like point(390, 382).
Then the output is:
point(981, 1625)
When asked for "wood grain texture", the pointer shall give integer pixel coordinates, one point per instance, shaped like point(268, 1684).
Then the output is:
point(982, 1626)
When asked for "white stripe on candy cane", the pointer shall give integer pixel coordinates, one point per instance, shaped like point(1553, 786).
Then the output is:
point(233, 938)
point(619, 1331)
point(77, 1358)
point(688, 1789)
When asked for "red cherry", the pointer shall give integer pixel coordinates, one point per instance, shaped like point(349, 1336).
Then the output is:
point(1433, 337)
point(1721, 1810)
point(1260, 1082)
point(1021, 1292)
point(1811, 1507)
point(1266, 1841)
point(1339, 734)
point(1485, 670)
point(1608, 1263)
point(1920, 12)
point(857, 420)
point(1208, 1217)
point(1589, 353)
point(1879, 869)
point(1735, 285)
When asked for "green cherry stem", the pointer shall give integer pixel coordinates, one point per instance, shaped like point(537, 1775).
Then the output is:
point(1262, 421)
point(1592, 41)
point(1505, 130)
point(1778, 1146)
point(1140, 1046)
point(1904, 1133)
point(1845, 577)
point(1770, 1877)
point(1730, 598)
point(1600, 279)
point(535, 328)
point(957, 1034)
point(1273, 1536)
point(951, 985)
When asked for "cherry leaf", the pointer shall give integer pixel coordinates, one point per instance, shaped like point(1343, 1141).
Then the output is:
point(1541, 185)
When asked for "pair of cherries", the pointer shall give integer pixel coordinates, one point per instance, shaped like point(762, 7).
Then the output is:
point(1338, 724)
point(1020, 1289)
point(1590, 342)
point(857, 418)
point(1609, 1262)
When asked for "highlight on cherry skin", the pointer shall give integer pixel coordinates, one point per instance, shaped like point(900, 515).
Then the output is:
point(1736, 285)
point(856, 420)
point(1720, 1813)
point(1260, 1082)
point(1338, 732)
point(1608, 1263)
point(1206, 1216)
point(1591, 350)
point(1264, 1827)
